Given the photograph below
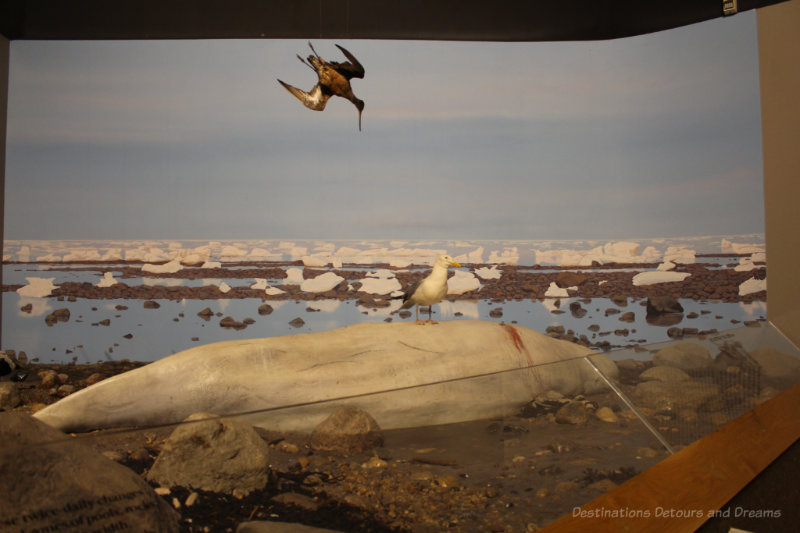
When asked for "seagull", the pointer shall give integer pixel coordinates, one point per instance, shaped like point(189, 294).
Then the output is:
point(334, 80)
point(431, 289)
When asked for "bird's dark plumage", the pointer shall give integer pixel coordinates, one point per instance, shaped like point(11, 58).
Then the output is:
point(333, 80)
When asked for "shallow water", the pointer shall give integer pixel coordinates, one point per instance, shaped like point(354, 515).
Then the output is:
point(173, 327)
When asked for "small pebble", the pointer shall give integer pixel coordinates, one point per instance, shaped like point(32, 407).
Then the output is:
point(191, 499)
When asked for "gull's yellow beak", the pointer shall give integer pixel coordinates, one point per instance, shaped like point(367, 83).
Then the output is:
point(454, 264)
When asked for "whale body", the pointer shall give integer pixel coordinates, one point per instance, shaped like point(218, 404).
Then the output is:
point(403, 374)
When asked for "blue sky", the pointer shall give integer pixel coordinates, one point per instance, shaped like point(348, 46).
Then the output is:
point(651, 136)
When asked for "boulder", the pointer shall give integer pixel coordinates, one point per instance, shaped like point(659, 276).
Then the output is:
point(667, 374)
point(686, 356)
point(572, 413)
point(776, 364)
point(570, 279)
point(348, 429)
point(576, 310)
point(51, 482)
point(663, 304)
point(213, 454)
point(9, 395)
point(673, 396)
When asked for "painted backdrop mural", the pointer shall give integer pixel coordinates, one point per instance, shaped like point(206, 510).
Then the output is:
point(161, 195)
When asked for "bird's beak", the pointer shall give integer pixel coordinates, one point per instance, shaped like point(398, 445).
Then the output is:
point(359, 121)
point(455, 264)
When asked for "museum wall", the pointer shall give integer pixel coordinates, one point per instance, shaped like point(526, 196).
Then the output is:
point(779, 55)
point(4, 56)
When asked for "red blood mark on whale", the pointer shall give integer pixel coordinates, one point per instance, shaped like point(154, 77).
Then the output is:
point(518, 344)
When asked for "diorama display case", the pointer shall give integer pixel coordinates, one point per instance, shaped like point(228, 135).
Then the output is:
point(663, 445)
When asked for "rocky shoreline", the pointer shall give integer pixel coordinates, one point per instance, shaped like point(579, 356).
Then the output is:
point(510, 474)
point(614, 282)
point(516, 283)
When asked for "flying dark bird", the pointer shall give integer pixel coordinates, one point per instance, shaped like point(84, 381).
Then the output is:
point(431, 289)
point(334, 80)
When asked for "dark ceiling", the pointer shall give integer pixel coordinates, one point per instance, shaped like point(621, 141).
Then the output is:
point(481, 20)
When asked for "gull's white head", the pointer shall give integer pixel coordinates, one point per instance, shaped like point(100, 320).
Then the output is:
point(445, 261)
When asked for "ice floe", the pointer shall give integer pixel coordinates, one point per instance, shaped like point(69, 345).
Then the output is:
point(37, 287)
point(317, 260)
point(680, 254)
point(554, 291)
point(167, 268)
point(107, 280)
point(740, 248)
point(379, 285)
point(82, 254)
point(509, 256)
point(666, 266)
point(381, 281)
point(462, 282)
point(224, 288)
point(211, 264)
point(49, 258)
point(323, 282)
point(112, 254)
point(612, 252)
point(649, 278)
point(488, 272)
point(260, 284)
point(232, 253)
point(752, 285)
point(294, 276)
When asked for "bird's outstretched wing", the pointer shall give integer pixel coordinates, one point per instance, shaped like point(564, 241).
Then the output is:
point(315, 99)
point(350, 69)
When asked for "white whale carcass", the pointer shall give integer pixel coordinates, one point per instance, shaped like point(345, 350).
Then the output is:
point(403, 374)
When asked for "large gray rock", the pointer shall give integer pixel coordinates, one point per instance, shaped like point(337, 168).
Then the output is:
point(349, 429)
point(666, 374)
point(776, 364)
point(673, 396)
point(52, 482)
point(686, 356)
point(9, 395)
point(213, 454)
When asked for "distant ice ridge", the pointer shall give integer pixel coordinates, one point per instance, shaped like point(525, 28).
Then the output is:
point(396, 253)
point(741, 248)
point(612, 252)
